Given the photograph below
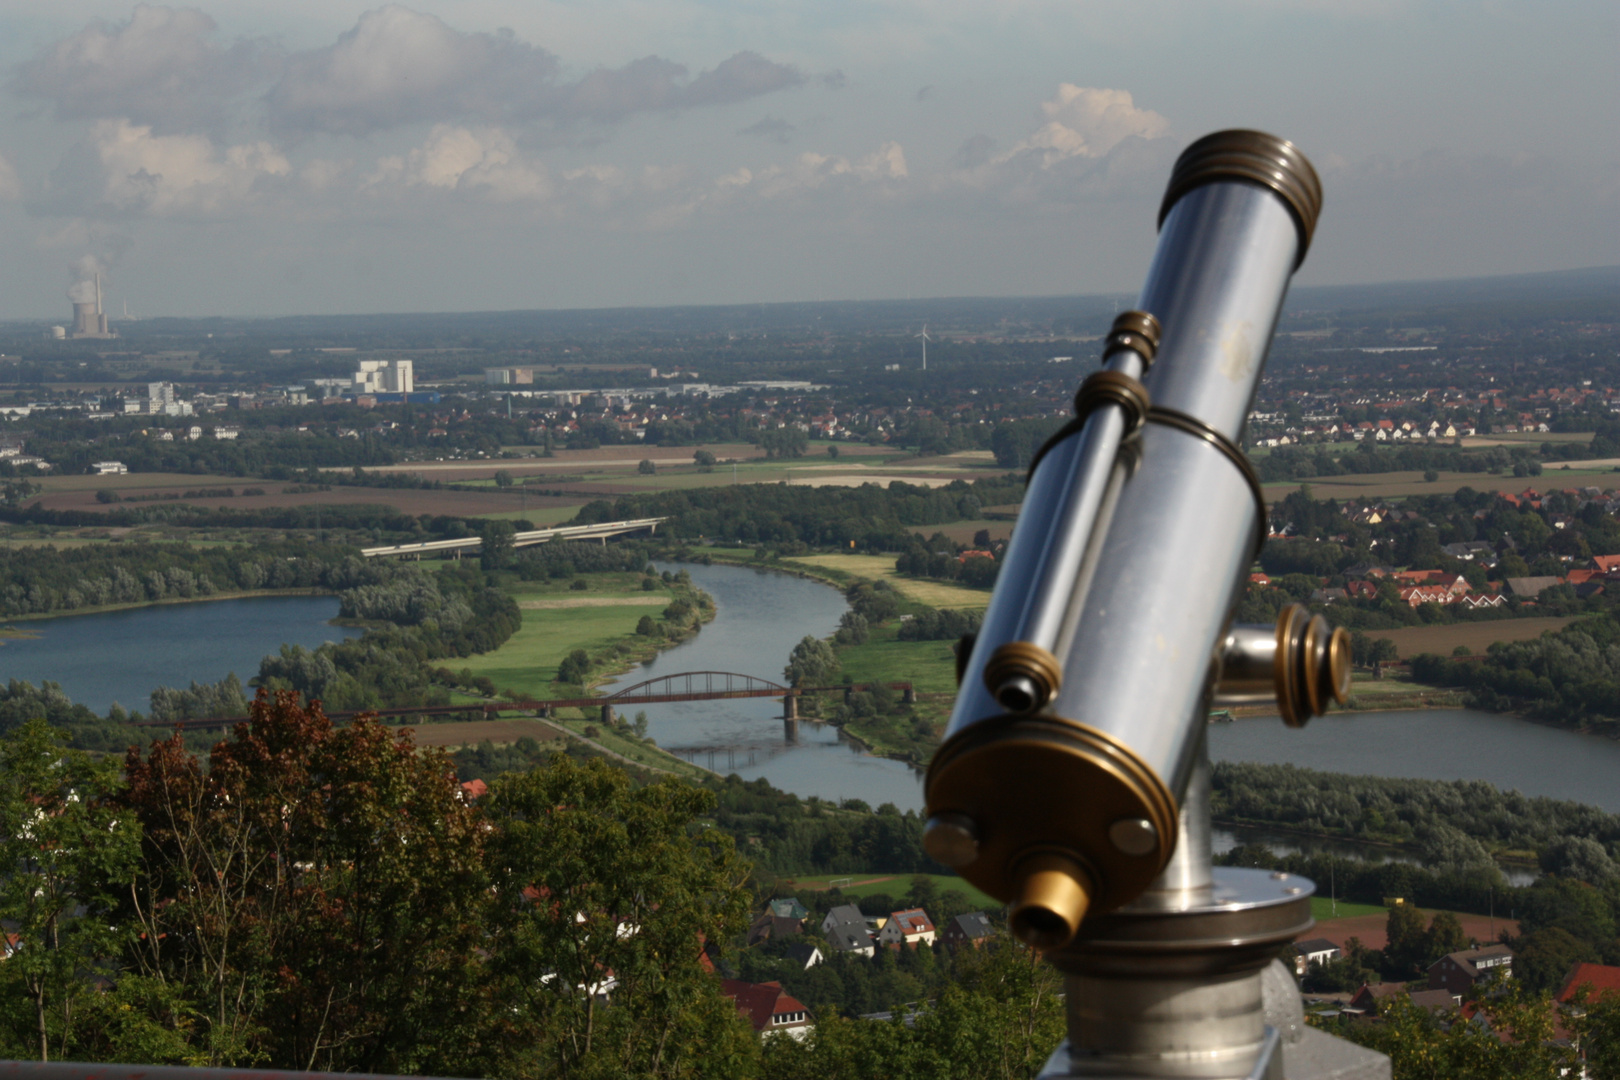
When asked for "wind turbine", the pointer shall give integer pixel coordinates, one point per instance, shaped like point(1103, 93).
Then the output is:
point(925, 340)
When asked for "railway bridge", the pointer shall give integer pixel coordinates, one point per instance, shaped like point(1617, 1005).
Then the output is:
point(683, 686)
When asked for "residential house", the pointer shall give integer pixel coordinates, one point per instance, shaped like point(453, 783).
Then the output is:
point(1594, 980)
point(910, 927)
point(768, 926)
point(1530, 587)
point(804, 954)
point(1369, 997)
point(971, 929)
point(1469, 550)
point(1314, 951)
point(1459, 972)
point(788, 908)
point(109, 468)
point(846, 930)
point(769, 1008)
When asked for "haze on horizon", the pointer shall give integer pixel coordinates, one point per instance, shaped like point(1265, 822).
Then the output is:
point(259, 158)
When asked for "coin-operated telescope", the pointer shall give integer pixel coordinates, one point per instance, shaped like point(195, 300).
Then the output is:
point(1073, 780)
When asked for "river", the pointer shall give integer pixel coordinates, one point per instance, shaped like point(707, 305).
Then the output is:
point(761, 616)
point(122, 656)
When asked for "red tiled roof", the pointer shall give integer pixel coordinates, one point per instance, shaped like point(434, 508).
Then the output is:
point(1600, 980)
point(913, 921)
point(758, 1002)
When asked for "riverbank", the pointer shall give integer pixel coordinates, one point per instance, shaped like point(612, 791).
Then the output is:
point(169, 601)
point(1515, 860)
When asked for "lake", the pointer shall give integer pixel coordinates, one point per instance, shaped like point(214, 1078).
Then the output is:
point(761, 616)
point(123, 656)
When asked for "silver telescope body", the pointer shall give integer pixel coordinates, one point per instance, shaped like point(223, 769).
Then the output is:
point(1080, 715)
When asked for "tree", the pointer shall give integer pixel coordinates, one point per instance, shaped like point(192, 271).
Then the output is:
point(646, 627)
point(832, 450)
point(1445, 935)
point(646, 467)
point(705, 460)
point(602, 884)
point(496, 543)
point(1405, 951)
point(503, 478)
point(317, 894)
point(575, 667)
point(69, 854)
point(812, 663)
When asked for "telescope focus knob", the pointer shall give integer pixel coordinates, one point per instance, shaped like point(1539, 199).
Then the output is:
point(1301, 664)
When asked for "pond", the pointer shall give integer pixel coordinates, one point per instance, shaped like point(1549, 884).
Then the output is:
point(123, 656)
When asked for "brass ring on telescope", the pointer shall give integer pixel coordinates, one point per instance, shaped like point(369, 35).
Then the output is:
point(1102, 388)
point(1039, 786)
point(1291, 702)
point(1191, 425)
point(1257, 158)
point(1023, 660)
point(1114, 388)
point(1137, 331)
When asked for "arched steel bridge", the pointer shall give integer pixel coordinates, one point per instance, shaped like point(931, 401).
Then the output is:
point(683, 686)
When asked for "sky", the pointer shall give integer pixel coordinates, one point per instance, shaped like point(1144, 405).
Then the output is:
point(267, 157)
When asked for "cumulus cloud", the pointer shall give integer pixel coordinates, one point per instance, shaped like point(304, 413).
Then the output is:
point(1084, 121)
point(163, 68)
point(398, 66)
point(126, 169)
point(811, 172)
point(486, 161)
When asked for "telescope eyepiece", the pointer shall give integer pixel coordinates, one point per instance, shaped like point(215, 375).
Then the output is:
point(1253, 157)
point(1054, 894)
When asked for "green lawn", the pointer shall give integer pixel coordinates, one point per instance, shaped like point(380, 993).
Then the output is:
point(898, 885)
point(1322, 909)
point(927, 665)
point(528, 661)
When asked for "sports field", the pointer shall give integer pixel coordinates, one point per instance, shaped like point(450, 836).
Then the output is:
point(891, 885)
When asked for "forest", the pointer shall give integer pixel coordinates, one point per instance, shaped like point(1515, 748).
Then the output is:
point(874, 518)
point(1455, 823)
point(310, 897)
point(46, 580)
point(1571, 676)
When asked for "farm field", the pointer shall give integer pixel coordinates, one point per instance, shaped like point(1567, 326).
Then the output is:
point(891, 885)
point(963, 531)
point(471, 733)
point(1371, 928)
point(277, 495)
point(1478, 637)
point(936, 594)
point(1395, 484)
point(1527, 438)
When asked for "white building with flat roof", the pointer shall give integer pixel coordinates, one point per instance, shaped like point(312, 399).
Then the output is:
point(384, 377)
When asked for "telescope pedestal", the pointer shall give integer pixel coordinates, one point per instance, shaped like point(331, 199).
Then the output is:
point(1196, 993)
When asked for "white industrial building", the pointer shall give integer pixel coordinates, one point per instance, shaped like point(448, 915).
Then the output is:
point(384, 377)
